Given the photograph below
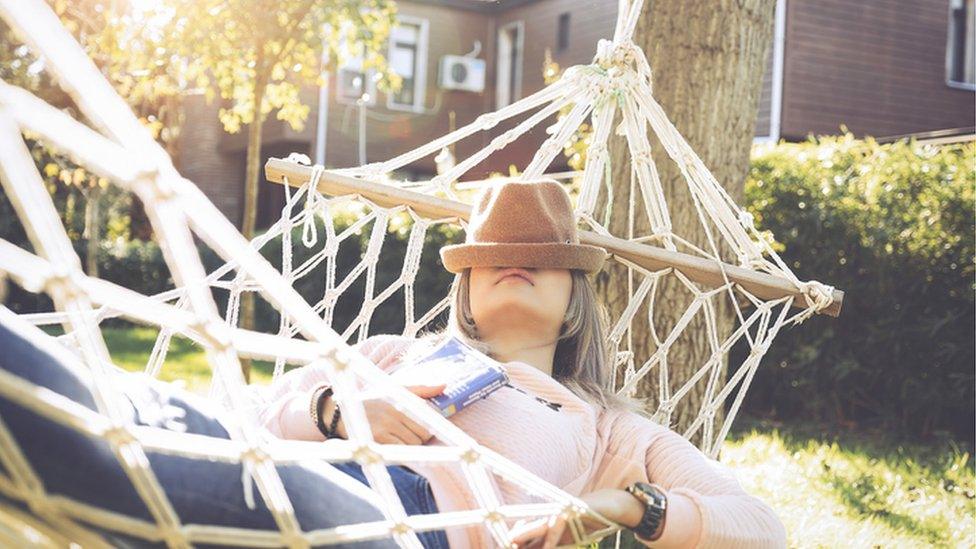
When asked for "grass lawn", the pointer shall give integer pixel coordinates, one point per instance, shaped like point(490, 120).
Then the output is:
point(185, 361)
point(844, 490)
point(857, 489)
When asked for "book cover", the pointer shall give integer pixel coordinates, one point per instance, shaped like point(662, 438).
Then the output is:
point(469, 375)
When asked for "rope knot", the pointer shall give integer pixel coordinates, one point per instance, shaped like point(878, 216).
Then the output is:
point(255, 455)
point(598, 150)
point(493, 515)
point(215, 334)
point(572, 510)
point(487, 121)
point(118, 435)
point(747, 220)
point(440, 181)
point(366, 455)
point(400, 528)
point(339, 358)
point(642, 156)
point(818, 296)
point(550, 148)
point(299, 158)
point(471, 455)
point(63, 280)
point(40, 505)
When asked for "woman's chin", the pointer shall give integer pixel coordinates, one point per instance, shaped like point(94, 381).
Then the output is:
point(515, 312)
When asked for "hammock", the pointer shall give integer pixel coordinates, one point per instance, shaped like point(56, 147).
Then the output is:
point(758, 286)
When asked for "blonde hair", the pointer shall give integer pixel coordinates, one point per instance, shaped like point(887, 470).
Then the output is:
point(582, 360)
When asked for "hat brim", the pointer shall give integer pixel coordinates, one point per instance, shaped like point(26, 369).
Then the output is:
point(542, 255)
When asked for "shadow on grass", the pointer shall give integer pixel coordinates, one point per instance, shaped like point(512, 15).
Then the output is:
point(879, 475)
point(872, 445)
point(866, 496)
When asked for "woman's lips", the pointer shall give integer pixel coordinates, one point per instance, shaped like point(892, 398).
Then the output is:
point(514, 276)
point(520, 273)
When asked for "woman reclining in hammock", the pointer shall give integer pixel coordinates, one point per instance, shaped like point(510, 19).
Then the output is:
point(556, 418)
point(523, 298)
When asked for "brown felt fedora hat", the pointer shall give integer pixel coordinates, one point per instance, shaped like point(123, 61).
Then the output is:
point(523, 224)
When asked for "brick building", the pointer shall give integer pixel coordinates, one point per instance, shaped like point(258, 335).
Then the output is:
point(880, 67)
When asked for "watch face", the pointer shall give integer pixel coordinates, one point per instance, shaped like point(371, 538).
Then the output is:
point(648, 490)
point(654, 501)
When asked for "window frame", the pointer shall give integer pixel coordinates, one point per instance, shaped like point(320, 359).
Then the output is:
point(516, 86)
point(564, 23)
point(369, 88)
point(420, 67)
point(951, 38)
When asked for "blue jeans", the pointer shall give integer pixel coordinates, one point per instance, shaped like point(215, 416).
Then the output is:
point(84, 468)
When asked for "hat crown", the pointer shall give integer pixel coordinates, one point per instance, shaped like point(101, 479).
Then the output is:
point(517, 211)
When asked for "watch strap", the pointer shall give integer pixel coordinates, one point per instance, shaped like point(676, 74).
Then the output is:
point(655, 505)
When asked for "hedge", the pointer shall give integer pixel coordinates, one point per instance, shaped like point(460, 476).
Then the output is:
point(892, 225)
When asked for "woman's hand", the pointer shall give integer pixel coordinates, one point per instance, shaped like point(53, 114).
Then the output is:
point(545, 533)
point(391, 426)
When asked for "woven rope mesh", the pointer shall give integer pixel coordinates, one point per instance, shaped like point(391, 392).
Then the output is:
point(309, 286)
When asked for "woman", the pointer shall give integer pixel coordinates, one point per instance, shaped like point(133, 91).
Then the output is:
point(521, 295)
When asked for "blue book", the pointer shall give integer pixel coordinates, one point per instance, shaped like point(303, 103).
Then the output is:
point(469, 375)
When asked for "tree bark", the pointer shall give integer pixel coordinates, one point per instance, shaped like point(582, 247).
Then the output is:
point(707, 58)
point(251, 181)
point(93, 230)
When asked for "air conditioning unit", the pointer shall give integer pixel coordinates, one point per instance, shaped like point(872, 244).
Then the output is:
point(462, 73)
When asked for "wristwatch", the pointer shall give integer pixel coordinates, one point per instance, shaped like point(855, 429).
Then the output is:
point(655, 504)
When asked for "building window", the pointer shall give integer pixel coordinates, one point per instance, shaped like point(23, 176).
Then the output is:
point(355, 83)
point(562, 33)
point(961, 45)
point(408, 58)
point(508, 87)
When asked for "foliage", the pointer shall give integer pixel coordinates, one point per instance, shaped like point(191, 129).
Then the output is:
point(232, 48)
point(257, 54)
point(70, 187)
point(891, 225)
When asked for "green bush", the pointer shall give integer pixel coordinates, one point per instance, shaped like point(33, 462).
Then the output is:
point(892, 225)
point(135, 264)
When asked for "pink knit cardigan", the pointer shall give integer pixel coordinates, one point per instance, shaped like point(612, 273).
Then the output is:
point(542, 426)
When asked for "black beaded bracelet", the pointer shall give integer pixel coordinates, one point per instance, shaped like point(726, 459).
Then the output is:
point(318, 399)
point(335, 420)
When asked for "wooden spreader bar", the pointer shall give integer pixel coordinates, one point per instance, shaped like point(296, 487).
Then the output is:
point(702, 270)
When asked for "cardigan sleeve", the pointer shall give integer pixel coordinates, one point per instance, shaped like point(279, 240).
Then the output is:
point(707, 506)
point(284, 410)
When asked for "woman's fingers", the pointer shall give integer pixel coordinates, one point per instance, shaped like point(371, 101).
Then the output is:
point(556, 526)
point(389, 437)
point(528, 533)
point(417, 429)
point(388, 423)
point(546, 533)
point(426, 391)
point(408, 436)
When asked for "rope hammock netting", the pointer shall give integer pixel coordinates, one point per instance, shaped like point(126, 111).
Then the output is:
point(761, 289)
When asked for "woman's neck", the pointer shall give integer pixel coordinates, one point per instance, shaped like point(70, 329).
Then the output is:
point(533, 352)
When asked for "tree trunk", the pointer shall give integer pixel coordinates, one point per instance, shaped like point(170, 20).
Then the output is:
point(92, 230)
point(707, 58)
point(251, 180)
